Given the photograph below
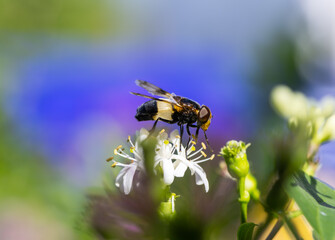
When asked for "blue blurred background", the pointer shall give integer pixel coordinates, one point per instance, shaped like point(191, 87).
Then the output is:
point(67, 67)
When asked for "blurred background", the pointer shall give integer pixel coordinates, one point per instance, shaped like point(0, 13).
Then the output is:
point(67, 67)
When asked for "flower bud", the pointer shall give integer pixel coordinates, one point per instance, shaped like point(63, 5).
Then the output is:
point(251, 186)
point(235, 156)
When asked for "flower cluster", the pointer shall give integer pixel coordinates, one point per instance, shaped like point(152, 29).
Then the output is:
point(318, 118)
point(173, 159)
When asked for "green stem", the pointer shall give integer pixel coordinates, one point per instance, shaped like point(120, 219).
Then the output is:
point(244, 199)
point(241, 185)
point(244, 210)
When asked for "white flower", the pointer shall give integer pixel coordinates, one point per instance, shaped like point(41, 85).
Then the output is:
point(124, 179)
point(164, 154)
point(288, 103)
point(172, 158)
point(292, 104)
point(317, 116)
point(191, 158)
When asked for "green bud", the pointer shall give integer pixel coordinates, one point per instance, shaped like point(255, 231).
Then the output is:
point(235, 156)
point(251, 186)
point(245, 197)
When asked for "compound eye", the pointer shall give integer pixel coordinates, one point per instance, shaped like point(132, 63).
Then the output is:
point(204, 114)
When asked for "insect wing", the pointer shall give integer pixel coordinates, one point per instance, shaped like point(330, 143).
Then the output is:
point(154, 90)
point(153, 98)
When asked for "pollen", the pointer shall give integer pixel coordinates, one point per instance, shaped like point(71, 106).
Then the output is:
point(128, 140)
point(193, 148)
point(203, 154)
point(163, 130)
point(109, 159)
point(114, 165)
point(117, 149)
point(166, 142)
point(212, 157)
point(203, 145)
point(132, 149)
point(193, 142)
point(177, 136)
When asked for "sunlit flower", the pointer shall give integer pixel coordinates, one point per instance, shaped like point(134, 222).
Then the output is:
point(164, 156)
point(172, 158)
point(190, 158)
point(317, 117)
point(124, 179)
point(328, 130)
point(288, 103)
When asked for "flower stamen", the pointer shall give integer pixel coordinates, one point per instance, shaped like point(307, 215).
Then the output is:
point(195, 153)
point(163, 130)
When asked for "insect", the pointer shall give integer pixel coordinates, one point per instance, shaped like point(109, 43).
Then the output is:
point(171, 108)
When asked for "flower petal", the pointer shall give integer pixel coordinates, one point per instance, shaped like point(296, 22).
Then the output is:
point(144, 133)
point(200, 177)
point(162, 136)
point(174, 134)
point(119, 177)
point(180, 169)
point(128, 178)
point(168, 171)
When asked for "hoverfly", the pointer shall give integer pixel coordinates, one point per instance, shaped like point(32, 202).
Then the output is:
point(171, 108)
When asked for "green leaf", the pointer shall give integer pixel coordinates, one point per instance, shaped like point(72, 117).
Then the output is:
point(245, 231)
point(316, 201)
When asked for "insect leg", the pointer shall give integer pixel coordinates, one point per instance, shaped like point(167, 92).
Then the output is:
point(208, 142)
point(189, 136)
point(154, 127)
point(196, 134)
point(181, 135)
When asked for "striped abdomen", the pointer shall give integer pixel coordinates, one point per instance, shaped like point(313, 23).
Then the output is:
point(152, 110)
